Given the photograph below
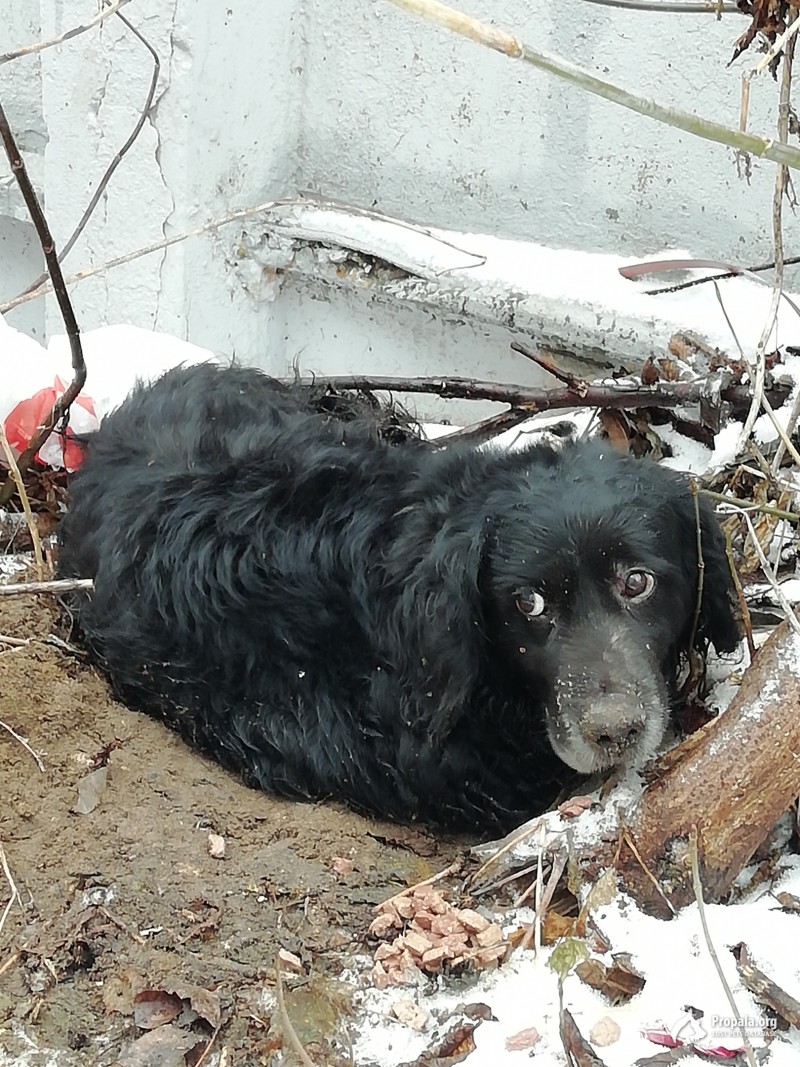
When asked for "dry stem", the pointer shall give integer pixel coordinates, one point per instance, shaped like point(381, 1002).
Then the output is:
point(26, 504)
point(701, 908)
point(56, 587)
point(23, 742)
point(39, 46)
point(291, 1033)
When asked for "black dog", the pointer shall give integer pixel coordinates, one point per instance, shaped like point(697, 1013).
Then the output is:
point(424, 633)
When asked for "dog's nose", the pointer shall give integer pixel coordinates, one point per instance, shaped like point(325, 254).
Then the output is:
point(613, 731)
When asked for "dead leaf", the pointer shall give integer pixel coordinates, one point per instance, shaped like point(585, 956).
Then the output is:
point(764, 989)
point(155, 1007)
point(452, 1047)
point(90, 791)
point(205, 1003)
point(578, 1050)
point(573, 807)
point(555, 926)
point(615, 427)
point(617, 983)
point(164, 1047)
point(650, 372)
point(788, 902)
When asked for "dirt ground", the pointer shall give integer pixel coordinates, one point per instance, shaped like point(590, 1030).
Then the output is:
point(123, 919)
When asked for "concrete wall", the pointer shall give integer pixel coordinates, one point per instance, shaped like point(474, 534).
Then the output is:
point(359, 102)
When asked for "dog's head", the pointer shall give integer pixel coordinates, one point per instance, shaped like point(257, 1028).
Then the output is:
point(573, 583)
point(594, 594)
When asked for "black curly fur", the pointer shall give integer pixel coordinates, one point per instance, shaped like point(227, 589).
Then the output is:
point(327, 613)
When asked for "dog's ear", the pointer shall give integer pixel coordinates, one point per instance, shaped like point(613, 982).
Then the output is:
point(717, 621)
point(438, 627)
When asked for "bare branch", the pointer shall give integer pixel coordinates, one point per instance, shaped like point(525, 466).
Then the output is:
point(40, 46)
point(621, 394)
point(115, 162)
point(60, 409)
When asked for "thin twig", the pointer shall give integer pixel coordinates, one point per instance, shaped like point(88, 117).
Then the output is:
point(701, 909)
point(286, 1022)
point(648, 873)
point(56, 587)
point(701, 571)
point(778, 426)
point(477, 432)
point(534, 931)
point(209, 1046)
point(578, 384)
point(278, 225)
point(769, 574)
point(509, 844)
point(793, 261)
point(676, 7)
point(11, 885)
point(115, 162)
point(454, 868)
point(39, 46)
point(26, 504)
point(765, 509)
point(24, 743)
point(740, 597)
point(781, 182)
point(791, 423)
point(60, 409)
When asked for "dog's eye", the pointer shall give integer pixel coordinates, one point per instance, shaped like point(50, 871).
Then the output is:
point(637, 585)
point(531, 605)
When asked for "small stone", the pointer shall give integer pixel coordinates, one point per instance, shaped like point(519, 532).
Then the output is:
point(492, 935)
point(216, 847)
point(416, 943)
point(411, 1014)
point(385, 922)
point(472, 921)
point(443, 925)
point(522, 1040)
point(604, 1032)
point(433, 958)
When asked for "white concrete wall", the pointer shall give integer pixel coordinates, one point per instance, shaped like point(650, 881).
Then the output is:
point(362, 103)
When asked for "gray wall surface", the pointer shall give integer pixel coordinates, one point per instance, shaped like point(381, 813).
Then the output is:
point(360, 102)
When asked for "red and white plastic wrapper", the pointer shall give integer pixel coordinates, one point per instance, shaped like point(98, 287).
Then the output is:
point(117, 357)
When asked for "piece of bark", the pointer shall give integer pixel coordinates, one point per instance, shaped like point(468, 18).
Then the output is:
point(730, 782)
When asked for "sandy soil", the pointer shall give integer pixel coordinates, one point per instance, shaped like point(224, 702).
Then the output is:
point(123, 918)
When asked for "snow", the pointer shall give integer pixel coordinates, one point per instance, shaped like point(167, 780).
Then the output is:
point(116, 358)
point(672, 956)
point(481, 267)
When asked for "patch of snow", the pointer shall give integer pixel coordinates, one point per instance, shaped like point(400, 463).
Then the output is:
point(12, 566)
point(673, 958)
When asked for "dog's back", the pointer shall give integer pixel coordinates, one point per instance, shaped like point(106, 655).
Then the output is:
point(233, 532)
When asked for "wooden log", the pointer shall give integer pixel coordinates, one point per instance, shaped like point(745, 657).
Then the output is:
point(729, 783)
